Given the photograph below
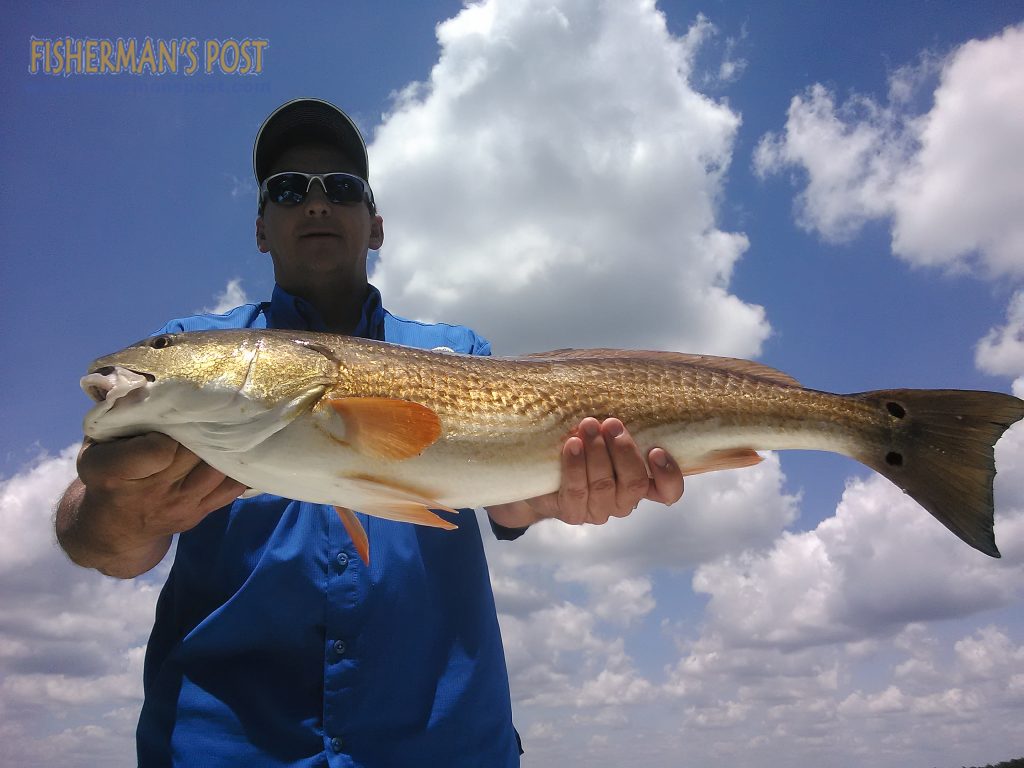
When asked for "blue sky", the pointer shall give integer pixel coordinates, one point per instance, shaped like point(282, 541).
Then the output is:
point(757, 226)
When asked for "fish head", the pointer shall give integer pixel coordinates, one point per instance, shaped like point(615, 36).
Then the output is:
point(231, 386)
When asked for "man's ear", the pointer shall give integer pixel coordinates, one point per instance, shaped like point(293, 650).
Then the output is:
point(376, 233)
point(261, 236)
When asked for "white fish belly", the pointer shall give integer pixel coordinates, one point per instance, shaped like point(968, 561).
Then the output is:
point(302, 462)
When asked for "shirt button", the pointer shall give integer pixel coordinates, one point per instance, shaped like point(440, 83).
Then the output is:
point(336, 744)
point(342, 559)
point(339, 647)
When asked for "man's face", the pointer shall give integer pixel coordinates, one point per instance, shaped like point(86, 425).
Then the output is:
point(317, 242)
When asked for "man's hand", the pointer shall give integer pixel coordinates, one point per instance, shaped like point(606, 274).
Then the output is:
point(603, 476)
point(131, 497)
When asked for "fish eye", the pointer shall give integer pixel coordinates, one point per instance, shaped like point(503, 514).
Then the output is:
point(160, 342)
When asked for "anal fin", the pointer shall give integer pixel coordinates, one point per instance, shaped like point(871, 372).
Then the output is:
point(727, 458)
point(356, 532)
point(392, 502)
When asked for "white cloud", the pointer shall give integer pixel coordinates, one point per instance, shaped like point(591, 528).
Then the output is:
point(574, 601)
point(843, 597)
point(977, 688)
point(810, 704)
point(581, 173)
point(948, 180)
point(879, 564)
point(719, 513)
point(988, 655)
point(732, 66)
point(1001, 352)
point(624, 600)
point(849, 162)
point(232, 296)
point(23, 540)
point(242, 187)
point(711, 68)
point(71, 641)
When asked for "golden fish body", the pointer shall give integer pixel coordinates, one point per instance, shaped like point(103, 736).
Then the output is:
point(395, 432)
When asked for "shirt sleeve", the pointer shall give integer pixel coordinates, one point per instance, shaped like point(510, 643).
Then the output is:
point(501, 533)
point(482, 347)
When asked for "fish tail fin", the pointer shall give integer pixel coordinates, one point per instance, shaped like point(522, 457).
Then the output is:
point(940, 451)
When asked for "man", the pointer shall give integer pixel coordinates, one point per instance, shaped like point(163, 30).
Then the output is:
point(274, 644)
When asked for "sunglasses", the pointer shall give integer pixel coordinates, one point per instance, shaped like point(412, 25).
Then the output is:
point(291, 188)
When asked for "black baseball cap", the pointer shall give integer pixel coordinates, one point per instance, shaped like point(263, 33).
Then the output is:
point(306, 120)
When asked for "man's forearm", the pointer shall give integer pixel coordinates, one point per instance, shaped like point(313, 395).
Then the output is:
point(87, 533)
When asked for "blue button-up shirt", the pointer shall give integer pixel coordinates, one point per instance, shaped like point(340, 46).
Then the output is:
point(274, 645)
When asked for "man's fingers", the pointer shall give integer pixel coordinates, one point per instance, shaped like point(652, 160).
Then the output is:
point(130, 458)
point(184, 462)
point(226, 491)
point(600, 472)
point(631, 480)
point(573, 491)
point(667, 481)
point(200, 480)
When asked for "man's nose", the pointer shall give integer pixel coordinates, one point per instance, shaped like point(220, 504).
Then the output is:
point(317, 203)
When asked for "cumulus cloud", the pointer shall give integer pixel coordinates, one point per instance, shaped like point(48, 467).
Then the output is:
point(232, 296)
point(948, 180)
point(23, 540)
point(925, 701)
point(715, 61)
point(1001, 351)
point(878, 564)
point(980, 681)
point(241, 187)
point(571, 598)
point(820, 643)
point(720, 512)
point(71, 641)
point(581, 173)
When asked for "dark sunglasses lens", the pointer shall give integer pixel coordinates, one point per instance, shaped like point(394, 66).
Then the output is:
point(287, 189)
point(342, 188)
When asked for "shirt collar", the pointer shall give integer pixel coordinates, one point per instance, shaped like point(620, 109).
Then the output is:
point(295, 313)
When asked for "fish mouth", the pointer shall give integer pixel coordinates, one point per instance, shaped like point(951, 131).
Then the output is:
point(112, 383)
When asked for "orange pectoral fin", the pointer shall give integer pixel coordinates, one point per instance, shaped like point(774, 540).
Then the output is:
point(387, 428)
point(356, 532)
point(728, 458)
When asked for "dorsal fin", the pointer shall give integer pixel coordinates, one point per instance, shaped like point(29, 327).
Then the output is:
point(729, 364)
